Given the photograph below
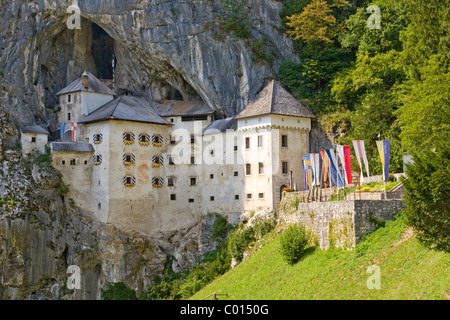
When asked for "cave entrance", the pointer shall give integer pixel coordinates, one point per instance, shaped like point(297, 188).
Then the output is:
point(102, 51)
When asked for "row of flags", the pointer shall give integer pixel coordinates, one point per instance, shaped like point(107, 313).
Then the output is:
point(336, 164)
point(73, 129)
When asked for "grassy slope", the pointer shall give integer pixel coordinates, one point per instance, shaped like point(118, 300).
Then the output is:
point(408, 271)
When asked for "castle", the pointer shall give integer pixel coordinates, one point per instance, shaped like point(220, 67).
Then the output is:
point(151, 166)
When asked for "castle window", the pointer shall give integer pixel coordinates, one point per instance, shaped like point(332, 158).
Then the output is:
point(284, 142)
point(144, 139)
point(170, 181)
point(211, 176)
point(97, 159)
point(128, 159)
point(173, 197)
point(68, 116)
point(85, 162)
point(157, 161)
point(261, 168)
point(247, 143)
point(129, 181)
point(99, 205)
point(236, 197)
point(172, 120)
point(33, 139)
point(191, 200)
point(192, 160)
point(63, 162)
point(69, 98)
point(284, 167)
point(73, 162)
point(157, 182)
point(235, 148)
point(248, 169)
point(157, 140)
point(172, 140)
point(249, 196)
point(97, 138)
point(235, 173)
point(261, 195)
point(211, 152)
point(128, 138)
point(192, 138)
point(211, 198)
point(260, 141)
point(193, 181)
point(171, 162)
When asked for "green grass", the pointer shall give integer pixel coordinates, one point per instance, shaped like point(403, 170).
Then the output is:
point(408, 271)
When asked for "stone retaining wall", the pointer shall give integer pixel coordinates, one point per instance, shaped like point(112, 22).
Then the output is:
point(337, 223)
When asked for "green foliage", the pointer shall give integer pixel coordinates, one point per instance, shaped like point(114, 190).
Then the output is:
point(293, 242)
point(62, 188)
point(118, 291)
point(427, 197)
point(377, 223)
point(235, 18)
point(261, 51)
point(220, 228)
point(239, 240)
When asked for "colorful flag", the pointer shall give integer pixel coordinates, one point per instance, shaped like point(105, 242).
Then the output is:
point(325, 164)
point(307, 171)
point(360, 152)
point(384, 149)
point(73, 127)
point(315, 164)
point(334, 169)
point(344, 155)
point(62, 130)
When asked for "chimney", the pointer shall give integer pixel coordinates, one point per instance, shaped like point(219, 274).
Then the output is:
point(85, 80)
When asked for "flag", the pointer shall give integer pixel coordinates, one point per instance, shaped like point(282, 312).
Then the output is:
point(315, 164)
point(73, 127)
point(344, 155)
point(62, 130)
point(325, 164)
point(334, 168)
point(360, 152)
point(307, 171)
point(384, 149)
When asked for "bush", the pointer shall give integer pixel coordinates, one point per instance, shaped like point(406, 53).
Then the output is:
point(239, 241)
point(293, 242)
point(118, 291)
point(220, 228)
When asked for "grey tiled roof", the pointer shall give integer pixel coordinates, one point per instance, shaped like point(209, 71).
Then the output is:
point(35, 129)
point(127, 108)
point(169, 108)
point(95, 85)
point(274, 99)
point(71, 146)
point(220, 125)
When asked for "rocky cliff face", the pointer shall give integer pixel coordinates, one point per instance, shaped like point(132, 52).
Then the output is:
point(162, 49)
point(159, 46)
point(41, 234)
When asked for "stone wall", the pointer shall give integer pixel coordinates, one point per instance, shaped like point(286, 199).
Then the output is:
point(337, 223)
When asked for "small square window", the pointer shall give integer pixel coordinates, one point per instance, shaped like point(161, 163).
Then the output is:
point(33, 139)
point(235, 173)
point(211, 198)
point(172, 140)
point(63, 162)
point(211, 152)
point(191, 200)
point(261, 168)
point(235, 148)
point(193, 181)
point(85, 162)
point(261, 195)
point(192, 160)
point(249, 195)
point(192, 138)
point(170, 181)
point(236, 197)
point(171, 162)
point(73, 162)
point(211, 176)
point(172, 120)
point(173, 197)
